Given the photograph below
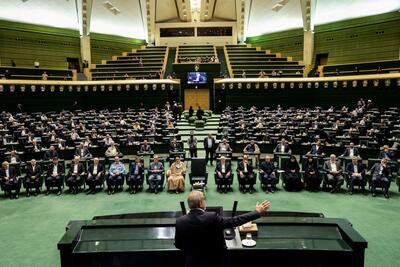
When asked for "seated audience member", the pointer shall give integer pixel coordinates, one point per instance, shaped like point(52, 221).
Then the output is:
point(82, 151)
point(95, 175)
point(176, 176)
point(136, 126)
point(192, 144)
point(380, 177)
point(174, 146)
point(385, 153)
point(317, 149)
point(333, 170)
point(55, 173)
point(252, 147)
point(351, 151)
point(199, 113)
point(282, 147)
point(35, 146)
point(9, 180)
point(291, 176)
point(13, 157)
point(170, 125)
point(312, 177)
point(223, 147)
point(108, 140)
point(223, 173)
point(135, 176)
point(246, 175)
point(74, 135)
point(60, 144)
point(262, 74)
point(356, 173)
point(32, 178)
point(75, 173)
point(112, 151)
point(115, 176)
point(243, 74)
point(155, 171)
point(86, 142)
point(268, 175)
point(50, 154)
point(145, 147)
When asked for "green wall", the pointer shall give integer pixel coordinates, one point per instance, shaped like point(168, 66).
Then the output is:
point(370, 38)
point(24, 43)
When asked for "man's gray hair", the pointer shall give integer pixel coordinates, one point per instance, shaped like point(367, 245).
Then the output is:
point(194, 199)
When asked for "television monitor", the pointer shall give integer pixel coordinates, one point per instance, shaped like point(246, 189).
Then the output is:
point(197, 78)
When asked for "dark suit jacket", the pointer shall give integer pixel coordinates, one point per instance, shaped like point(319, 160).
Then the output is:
point(267, 167)
point(174, 147)
point(80, 169)
point(228, 167)
point(376, 169)
point(347, 152)
point(144, 148)
point(205, 142)
point(200, 235)
point(240, 167)
point(350, 169)
point(84, 150)
point(132, 169)
point(29, 171)
point(11, 173)
point(50, 155)
point(388, 154)
point(315, 151)
point(100, 168)
point(60, 169)
point(16, 157)
point(278, 148)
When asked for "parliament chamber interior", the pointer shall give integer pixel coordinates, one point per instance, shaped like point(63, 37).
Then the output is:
point(113, 112)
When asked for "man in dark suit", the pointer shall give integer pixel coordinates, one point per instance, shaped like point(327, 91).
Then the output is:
point(32, 178)
point(223, 174)
point(155, 172)
point(356, 173)
point(174, 146)
point(82, 151)
point(385, 153)
point(145, 147)
point(95, 175)
point(268, 175)
point(334, 173)
point(54, 177)
point(380, 176)
point(50, 154)
point(246, 175)
point(200, 233)
point(13, 157)
point(9, 180)
point(209, 146)
point(351, 151)
point(282, 147)
point(135, 177)
point(75, 173)
point(316, 149)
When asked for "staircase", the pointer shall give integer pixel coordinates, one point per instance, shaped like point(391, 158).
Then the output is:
point(211, 126)
point(170, 61)
point(222, 60)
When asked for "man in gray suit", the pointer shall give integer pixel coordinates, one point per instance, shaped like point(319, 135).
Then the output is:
point(333, 170)
point(380, 176)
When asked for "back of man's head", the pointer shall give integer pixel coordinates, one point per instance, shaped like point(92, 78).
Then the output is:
point(195, 199)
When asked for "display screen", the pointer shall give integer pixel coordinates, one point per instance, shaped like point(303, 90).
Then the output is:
point(197, 78)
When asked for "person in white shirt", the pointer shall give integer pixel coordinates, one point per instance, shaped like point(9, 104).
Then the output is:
point(333, 170)
point(95, 175)
point(76, 171)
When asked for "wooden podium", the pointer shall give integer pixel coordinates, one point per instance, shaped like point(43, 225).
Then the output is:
point(197, 97)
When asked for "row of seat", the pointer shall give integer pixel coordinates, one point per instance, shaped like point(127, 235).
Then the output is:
point(18, 73)
point(144, 63)
point(362, 68)
point(248, 62)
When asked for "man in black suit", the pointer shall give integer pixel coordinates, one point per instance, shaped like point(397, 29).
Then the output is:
point(95, 175)
point(54, 177)
point(351, 151)
point(82, 151)
point(223, 174)
point(282, 147)
point(200, 234)
point(13, 157)
point(380, 176)
point(32, 178)
point(145, 147)
point(9, 180)
point(356, 174)
point(50, 154)
point(316, 149)
point(75, 174)
point(246, 175)
point(209, 145)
